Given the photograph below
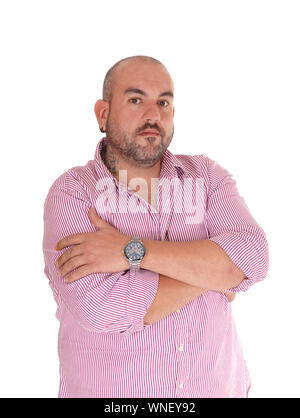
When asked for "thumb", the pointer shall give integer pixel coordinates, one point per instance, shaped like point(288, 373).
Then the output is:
point(95, 219)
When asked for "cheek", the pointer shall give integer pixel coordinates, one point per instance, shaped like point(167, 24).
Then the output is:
point(122, 120)
point(167, 113)
point(167, 120)
point(127, 114)
point(132, 120)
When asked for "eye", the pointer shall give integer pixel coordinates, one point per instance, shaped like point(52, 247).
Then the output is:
point(134, 98)
point(163, 103)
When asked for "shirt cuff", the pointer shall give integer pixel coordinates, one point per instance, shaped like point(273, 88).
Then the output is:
point(140, 297)
point(249, 257)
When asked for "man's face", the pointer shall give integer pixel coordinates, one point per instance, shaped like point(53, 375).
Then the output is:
point(141, 101)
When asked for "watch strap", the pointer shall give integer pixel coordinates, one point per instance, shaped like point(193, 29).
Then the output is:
point(135, 264)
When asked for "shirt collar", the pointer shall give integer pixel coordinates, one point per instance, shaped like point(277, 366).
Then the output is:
point(171, 166)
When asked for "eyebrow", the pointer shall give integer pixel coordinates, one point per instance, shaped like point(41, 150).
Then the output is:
point(138, 91)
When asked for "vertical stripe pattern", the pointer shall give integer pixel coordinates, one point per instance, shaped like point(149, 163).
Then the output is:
point(105, 349)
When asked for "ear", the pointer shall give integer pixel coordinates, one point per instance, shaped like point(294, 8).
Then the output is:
point(101, 110)
point(173, 111)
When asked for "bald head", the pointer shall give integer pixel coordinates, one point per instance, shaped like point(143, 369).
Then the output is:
point(111, 75)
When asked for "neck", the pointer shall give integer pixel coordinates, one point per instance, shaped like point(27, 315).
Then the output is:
point(115, 162)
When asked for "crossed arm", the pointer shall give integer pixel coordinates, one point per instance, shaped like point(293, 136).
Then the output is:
point(171, 295)
point(92, 276)
point(190, 264)
point(186, 269)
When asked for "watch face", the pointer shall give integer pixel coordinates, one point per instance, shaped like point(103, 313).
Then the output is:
point(134, 250)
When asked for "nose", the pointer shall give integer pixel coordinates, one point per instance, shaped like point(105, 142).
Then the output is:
point(152, 114)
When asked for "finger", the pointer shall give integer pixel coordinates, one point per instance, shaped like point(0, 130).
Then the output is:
point(79, 273)
point(71, 252)
point(230, 296)
point(70, 240)
point(72, 264)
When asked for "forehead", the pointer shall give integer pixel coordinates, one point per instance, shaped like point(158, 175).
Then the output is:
point(143, 75)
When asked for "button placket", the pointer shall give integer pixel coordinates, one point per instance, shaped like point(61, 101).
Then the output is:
point(181, 331)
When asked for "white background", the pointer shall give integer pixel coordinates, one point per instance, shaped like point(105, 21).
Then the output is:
point(235, 65)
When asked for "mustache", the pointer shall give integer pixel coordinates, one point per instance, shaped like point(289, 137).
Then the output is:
point(148, 126)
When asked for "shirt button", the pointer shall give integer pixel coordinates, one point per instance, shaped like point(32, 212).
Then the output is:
point(180, 348)
point(181, 385)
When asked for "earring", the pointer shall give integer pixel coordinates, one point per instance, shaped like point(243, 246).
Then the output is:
point(102, 130)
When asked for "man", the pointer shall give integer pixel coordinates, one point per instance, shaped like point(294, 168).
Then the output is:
point(144, 250)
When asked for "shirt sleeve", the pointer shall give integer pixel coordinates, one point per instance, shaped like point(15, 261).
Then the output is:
point(99, 302)
point(231, 225)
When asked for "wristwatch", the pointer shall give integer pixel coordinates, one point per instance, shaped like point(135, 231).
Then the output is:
point(134, 251)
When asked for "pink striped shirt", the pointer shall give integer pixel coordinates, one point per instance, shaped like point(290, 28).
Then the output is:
point(105, 349)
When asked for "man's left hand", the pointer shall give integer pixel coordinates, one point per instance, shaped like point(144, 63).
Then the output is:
point(92, 252)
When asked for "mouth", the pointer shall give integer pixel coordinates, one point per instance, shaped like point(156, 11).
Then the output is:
point(147, 133)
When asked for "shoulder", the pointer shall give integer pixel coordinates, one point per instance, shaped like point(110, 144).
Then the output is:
point(197, 165)
point(78, 180)
point(212, 172)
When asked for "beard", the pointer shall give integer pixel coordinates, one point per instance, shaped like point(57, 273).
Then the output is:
point(128, 147)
